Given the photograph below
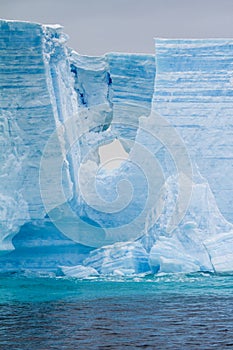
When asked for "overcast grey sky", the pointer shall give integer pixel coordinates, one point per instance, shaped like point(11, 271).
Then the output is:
point(99, 26)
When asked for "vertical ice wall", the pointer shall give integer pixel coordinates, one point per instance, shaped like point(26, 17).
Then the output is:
point(114, 89)
point(36, 94)
point(193, 91)
point(132, 77)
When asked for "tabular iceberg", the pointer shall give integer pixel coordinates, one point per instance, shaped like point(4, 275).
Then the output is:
point(167, 207)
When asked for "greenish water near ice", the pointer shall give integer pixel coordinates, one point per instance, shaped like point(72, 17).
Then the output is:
point(163, 312)
point(43, 289)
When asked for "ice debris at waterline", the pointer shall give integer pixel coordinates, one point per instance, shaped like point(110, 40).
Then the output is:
point(166, 207)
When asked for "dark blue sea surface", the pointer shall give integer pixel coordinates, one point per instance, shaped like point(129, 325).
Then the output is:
point(163, 312)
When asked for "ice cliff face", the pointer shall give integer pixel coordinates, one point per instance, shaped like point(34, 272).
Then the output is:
point(167, 208)
point(36, 96)
point(193, 91)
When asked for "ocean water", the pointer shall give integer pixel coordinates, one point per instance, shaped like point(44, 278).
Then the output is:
point(163, 312)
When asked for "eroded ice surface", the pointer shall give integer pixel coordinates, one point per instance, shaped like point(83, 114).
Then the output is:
point(168, 208)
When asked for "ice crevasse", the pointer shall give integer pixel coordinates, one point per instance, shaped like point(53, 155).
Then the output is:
point(166, 208)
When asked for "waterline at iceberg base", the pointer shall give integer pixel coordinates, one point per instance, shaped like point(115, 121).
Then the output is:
point(165, 208)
